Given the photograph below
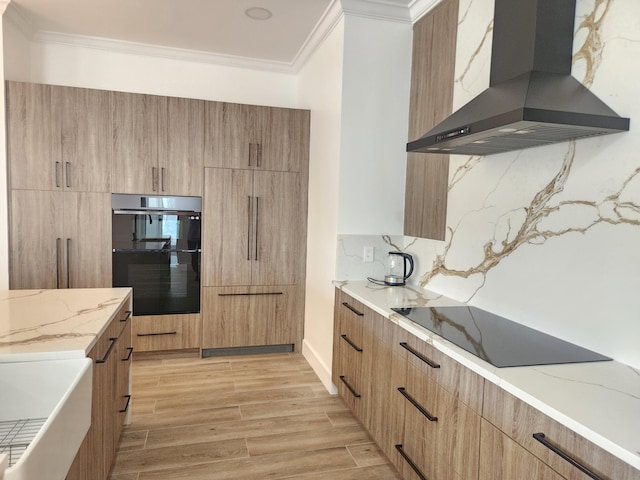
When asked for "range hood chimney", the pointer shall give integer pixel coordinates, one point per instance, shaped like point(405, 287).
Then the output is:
point(532, 98)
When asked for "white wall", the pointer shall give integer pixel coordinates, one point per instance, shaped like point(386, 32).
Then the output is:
point(375, 105)
point(321, 91)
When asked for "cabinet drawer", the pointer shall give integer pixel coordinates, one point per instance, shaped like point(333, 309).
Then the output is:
point(166, 332)
point(349, 315)
point(462, 383)
point(349, 379)
point(521, 421)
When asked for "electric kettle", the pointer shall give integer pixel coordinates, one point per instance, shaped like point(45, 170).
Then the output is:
point(397, 268)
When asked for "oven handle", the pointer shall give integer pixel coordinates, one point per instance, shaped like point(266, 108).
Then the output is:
point(124, 211)
point(156, 250)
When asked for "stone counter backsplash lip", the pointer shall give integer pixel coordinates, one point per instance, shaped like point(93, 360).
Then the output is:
point(598, 400)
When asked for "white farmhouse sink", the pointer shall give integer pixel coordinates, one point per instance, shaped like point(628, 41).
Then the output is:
point(47, 406)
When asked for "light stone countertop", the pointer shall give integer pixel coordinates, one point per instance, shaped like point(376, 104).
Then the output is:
point(598, 400)
point(55, 324)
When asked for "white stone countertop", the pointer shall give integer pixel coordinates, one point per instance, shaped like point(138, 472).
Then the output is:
point(55, 324)
point(598, 400)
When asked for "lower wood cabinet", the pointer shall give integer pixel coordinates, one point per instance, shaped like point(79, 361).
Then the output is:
point(251, 316)
point(110, 402)
point(166, 332)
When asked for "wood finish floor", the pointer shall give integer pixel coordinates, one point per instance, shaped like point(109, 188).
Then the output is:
point(244, 417)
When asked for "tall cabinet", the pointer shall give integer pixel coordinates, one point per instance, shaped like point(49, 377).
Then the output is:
point(59, 177)
point(254, 225)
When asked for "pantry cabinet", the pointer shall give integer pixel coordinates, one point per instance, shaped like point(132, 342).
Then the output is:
point(255, 137)
point(60, 239)
point(157, 144)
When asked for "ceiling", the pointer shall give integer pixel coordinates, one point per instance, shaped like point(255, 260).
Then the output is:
point(217, 27)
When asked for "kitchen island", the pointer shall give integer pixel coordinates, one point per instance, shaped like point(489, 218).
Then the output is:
point(599, 401)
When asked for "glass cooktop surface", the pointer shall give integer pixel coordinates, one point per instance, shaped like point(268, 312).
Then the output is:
point(495, 339)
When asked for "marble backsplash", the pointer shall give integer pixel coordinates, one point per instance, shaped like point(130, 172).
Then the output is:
point(548, 236)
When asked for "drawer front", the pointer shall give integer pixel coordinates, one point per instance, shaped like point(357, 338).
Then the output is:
point(349, 318)
point(462, 383)
point(349, 380)
point(166, 332)
point(442, 434)
point(521, 421)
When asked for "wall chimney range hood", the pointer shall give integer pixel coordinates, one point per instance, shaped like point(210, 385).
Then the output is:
point(532, 99)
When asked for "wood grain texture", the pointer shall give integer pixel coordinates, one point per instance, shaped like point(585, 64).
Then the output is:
point(432, 80)
point(156, 332)
point(520, 421)
point(256, 434)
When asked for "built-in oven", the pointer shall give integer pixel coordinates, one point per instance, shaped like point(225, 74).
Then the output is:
point(156, 250)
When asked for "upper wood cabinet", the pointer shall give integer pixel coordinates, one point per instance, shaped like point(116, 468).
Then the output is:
point(157, 144)
point(253, 230)
point(432, 80)
point(58, 138)
point(256, 137)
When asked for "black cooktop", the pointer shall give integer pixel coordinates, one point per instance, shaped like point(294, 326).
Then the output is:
point(499, 341)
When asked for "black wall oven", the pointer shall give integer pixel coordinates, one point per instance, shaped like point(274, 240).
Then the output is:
point(156, 250)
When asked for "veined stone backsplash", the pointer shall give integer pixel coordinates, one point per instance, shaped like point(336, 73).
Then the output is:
point(549, 236)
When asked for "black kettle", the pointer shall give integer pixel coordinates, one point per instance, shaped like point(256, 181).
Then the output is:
point(397, 273)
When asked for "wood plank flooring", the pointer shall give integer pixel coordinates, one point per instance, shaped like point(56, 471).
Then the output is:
point(243, 417)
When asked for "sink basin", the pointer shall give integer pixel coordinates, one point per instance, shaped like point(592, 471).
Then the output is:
point(45, 412)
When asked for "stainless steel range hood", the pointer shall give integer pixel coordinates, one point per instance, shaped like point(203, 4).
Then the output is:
point(532, 99)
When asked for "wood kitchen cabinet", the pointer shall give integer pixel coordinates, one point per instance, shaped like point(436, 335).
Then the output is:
point(255, 137)
point(253, 228)
point(59, 239)
point(509, 428)
point(157, 144)
point(110, 399)
point(432, 80)
point(166, 332)
point(58, 138)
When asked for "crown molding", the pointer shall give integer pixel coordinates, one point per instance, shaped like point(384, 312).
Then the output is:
point(377, 9)
point(15, 15)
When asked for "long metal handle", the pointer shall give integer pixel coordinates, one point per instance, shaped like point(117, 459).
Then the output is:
point(154, 179)
point(58, 240)
point(248, 294)
point(104, 359)
point(68, 263)
point(350, 342)
point(67, 171)
point(255, 229)
point(353, 392)
point(128, 357)
point(360, 314)
point(156, 334)
point(126, 407)
point(541, 437)
point(413, 466)
point(420, 408)
point(162, 176)
point(249, 159)
point(258, 154)
point(249, 215)
point(426, 360)
point(56, 175)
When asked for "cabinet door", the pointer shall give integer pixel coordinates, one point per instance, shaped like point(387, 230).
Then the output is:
point(86, 139)
point(135, 143)
point(87, 239)
point(284, 135)
point(33, 137)
point(278, 244)
point(36, 239)
point(248, 316)
point(227, 227)
point(230, 136)
point(181, 146)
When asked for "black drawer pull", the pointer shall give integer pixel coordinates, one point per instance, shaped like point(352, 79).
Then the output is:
point(410, 462)
point(128, 357)
point(541, 438)
point(426, 360)
point(249, 294)
point(350, 342)
point(360, 314)
point(126, 407)
point(353, 392)
point(155, 334)
point(104, 359)
point(420, 408)
point(128, 316)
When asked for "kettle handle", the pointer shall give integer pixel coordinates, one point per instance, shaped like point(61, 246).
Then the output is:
point(410, 258)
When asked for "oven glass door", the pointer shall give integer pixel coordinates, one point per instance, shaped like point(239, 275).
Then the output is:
point(159, 256)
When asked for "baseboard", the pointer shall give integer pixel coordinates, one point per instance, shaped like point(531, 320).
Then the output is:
point(322, 371)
